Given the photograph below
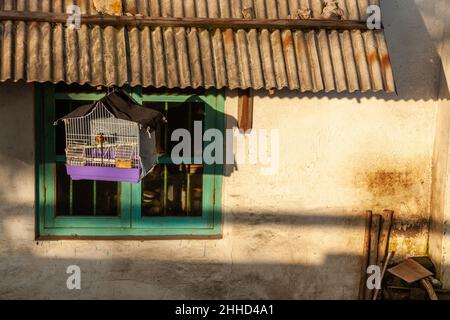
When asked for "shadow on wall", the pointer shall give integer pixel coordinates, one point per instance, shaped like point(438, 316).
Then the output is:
point(337, 277)
point(146, 278)
point(262, 256)
point(16, 143)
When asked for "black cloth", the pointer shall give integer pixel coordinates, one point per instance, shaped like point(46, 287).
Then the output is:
point(122, 106)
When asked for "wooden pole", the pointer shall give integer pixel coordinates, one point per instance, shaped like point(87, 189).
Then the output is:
point(383, 243)
point(386, 262)
point(373, 255)
point(365, 256)
point(207, 23)
point(245, 112)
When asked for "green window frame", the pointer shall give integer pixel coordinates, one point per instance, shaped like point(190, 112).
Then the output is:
point(130, 222)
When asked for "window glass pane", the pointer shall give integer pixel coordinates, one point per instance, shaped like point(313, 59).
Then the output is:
point(179, 116)
point(197, 114)
point(176, 195)
point(196, 189)
point(82, 198)
point(173, 191)
point(153, 192)
point(85, 198)
point(107, 198)
point(160, 136)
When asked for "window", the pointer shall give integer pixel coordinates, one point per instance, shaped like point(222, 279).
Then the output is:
point(173, 200)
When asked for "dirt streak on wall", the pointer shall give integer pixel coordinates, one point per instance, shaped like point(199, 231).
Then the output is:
point(399, 186)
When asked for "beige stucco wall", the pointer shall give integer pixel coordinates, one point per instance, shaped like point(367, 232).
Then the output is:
point(297, 234)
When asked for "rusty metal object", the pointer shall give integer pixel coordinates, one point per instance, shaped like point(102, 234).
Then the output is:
point(411, 271)
point(304, 60)
point(110, 7)
point(245, 110)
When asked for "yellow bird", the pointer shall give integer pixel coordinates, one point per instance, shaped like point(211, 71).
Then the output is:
point(100, 139)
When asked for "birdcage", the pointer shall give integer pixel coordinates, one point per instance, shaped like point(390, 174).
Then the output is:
point(111, 140)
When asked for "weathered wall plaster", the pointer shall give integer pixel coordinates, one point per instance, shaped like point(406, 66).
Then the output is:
point(297, 234)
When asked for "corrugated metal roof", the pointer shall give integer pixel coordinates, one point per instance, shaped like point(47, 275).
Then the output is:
point(306, 60)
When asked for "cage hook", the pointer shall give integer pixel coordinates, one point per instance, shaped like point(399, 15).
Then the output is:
point(111, 89)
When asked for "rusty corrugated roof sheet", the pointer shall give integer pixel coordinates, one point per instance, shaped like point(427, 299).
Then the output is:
point(306, 60)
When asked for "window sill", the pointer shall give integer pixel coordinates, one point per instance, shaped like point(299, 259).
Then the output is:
point(131, 238)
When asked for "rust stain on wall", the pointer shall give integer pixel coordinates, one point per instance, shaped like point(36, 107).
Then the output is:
point(403, 187)
point(384, 179)
point(409, 236)
point(389, 182)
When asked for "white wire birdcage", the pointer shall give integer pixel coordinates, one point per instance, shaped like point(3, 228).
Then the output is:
point(100, 139)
